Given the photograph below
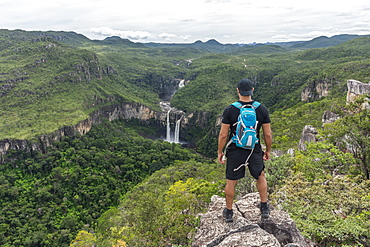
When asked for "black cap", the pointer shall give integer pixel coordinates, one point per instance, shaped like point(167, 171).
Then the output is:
point(245, 87)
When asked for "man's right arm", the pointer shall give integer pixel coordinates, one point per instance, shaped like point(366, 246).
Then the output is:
point(222, 139)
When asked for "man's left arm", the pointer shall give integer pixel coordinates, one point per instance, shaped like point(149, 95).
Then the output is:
point(267, 136)
point(222, 139)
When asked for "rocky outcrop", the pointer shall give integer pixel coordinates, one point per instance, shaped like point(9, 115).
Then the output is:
point(356, 89)
point(309, 134)
point(329, 117)
point(315, 91)
point(248, 229)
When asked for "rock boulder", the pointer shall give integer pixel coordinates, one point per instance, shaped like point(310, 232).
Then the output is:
point(309, 134)
point(248, 229)
point(357, 88)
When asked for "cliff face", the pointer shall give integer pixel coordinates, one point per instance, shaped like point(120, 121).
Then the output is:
point(356, 89)
point(123, 111)
point(167, 88)
point(319, 89)
point(315, 91)
point(164, 86)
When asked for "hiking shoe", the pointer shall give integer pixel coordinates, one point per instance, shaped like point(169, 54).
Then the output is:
point(228, 215)
point(265, 212)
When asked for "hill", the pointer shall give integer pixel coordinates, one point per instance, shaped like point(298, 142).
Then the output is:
point(260, 49)
point(348, 50)
point(214, 46)
point(211, 46)
point(323, 41)
point(46, 84)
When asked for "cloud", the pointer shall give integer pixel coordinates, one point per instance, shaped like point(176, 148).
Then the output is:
point(185, 37)
point(167, 36)
point(303, 36)
point(227, 21)
point(171, 36)
point(132, 35)
point(137, 35)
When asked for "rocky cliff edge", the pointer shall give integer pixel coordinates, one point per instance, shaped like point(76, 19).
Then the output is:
point(248, 229)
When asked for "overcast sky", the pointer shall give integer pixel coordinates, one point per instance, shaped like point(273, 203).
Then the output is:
point(186, 21)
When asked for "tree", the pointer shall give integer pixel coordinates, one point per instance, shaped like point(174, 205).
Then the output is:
point(322, 159)
point(162, 210)
point(84, 239)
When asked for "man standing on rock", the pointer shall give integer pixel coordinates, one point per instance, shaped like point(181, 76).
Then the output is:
point(237, 156)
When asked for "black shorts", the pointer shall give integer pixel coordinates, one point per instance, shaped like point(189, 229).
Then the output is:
point(237, 156)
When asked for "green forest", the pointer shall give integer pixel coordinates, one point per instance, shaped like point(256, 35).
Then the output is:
point(121, 184)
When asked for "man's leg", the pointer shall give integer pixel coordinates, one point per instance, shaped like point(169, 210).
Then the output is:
point(262, 187)
point(230, 192)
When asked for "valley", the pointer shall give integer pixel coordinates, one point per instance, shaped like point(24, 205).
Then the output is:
point(92, 136)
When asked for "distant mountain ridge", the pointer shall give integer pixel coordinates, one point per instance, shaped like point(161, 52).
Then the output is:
point(212, 45)
point(323, 41)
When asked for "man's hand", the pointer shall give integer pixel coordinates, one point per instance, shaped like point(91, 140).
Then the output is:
point(221, 158)
point(266, 156)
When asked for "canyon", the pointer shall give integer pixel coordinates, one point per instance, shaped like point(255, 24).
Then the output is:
point(169, 118)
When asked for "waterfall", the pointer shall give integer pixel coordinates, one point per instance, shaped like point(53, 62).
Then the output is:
point(176, 136)
point(177, 131)
point(165, 105)
point(168, 134)
point(182, 84)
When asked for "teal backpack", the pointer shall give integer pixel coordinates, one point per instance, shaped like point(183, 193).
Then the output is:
point(246, 126)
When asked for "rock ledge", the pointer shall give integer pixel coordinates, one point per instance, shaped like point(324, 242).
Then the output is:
point(248, 229)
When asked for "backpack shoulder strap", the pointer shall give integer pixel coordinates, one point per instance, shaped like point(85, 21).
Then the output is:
point(237, 105)
point(256, 104)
